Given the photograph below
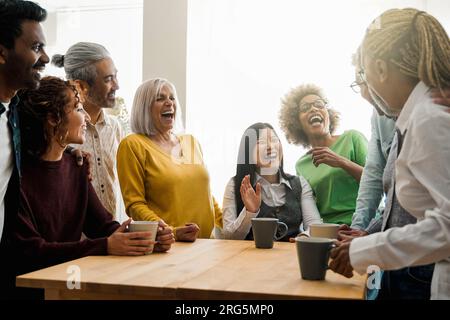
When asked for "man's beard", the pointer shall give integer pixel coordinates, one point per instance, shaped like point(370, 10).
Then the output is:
point(101, 102)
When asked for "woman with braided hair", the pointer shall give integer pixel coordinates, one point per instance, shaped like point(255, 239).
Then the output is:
point(406, 54)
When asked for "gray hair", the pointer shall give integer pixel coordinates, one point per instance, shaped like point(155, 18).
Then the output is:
point(79, 61)
point(146, 95)
point(356, 58)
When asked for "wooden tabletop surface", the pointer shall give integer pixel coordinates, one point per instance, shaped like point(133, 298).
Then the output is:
point(206, 269)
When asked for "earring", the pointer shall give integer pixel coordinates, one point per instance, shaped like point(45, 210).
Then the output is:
point(62, 140)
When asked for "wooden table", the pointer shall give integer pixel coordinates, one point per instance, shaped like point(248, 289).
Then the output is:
point(206, 269)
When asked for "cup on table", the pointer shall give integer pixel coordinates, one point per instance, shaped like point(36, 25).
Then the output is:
point(265, 231)
point(313, 255)
point(145, 226)
point(324, 230)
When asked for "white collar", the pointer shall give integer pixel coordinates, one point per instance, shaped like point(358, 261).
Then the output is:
point(418, 94)
point(283, 180)
point(103, 119)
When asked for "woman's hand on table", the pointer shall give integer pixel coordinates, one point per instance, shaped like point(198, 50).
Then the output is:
point(122, 243)
point(300, 235)
point(341, 259)
point(188, 233)
point(164, 238)
point(346, 234)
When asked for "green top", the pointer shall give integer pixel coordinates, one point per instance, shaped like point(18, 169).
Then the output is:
point(335, 189)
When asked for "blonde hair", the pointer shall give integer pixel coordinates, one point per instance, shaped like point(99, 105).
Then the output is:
point(141, 117)
point(290, 111)
point(414, 41)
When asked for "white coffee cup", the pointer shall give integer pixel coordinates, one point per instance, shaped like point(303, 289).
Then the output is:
point(145, 226)
point(324, 230)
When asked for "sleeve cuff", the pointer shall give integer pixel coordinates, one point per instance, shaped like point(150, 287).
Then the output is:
point(363, 253)
point(251, 215)
point(376, 225)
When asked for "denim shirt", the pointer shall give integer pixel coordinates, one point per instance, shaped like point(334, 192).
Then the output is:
point(371, 186)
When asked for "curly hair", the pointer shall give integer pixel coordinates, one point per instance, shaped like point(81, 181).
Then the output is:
point(289, 114)
point(49, 101)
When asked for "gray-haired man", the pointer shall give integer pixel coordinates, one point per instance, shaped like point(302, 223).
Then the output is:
point(91, 66)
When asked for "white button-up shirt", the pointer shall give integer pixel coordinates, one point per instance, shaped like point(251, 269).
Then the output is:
point(274, 195)
point(102, 142)
point(6, 162)
point(423, 189)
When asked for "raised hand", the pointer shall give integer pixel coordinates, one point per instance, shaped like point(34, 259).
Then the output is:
point(250, 198)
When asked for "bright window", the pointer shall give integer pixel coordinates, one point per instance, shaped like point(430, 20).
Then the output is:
point(116, 24)
point(245, 55)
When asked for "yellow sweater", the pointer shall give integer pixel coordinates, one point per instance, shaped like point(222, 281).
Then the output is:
point(157, 186)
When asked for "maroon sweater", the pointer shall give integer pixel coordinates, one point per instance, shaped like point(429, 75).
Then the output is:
point(58, 204)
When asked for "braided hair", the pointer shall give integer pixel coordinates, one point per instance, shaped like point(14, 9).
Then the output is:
point(415, 42)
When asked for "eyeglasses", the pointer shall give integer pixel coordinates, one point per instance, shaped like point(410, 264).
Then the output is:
point(360, 81)
point(318, 104)
point(362, 75)
point(356, 86)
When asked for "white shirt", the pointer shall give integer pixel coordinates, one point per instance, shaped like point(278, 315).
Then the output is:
point(423, 189)
point(274, 195)
point(102, 142)
point(6, 162)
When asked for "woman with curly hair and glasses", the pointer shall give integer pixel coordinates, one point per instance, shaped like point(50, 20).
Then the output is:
point(334, 163)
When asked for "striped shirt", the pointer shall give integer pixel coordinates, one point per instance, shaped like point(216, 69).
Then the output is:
point(102, 142)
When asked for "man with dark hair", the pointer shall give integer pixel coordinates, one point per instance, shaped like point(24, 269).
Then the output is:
point(22, 59)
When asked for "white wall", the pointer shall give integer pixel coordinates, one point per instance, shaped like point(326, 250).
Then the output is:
point(116, 24)
point(231, 60)
point(440, 9)
point(165, 41)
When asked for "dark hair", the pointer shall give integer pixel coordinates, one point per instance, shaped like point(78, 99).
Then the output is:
point(246, 165)
point(12, 14)
point(36, 107)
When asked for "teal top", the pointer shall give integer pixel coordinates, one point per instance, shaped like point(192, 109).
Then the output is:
point(335, 189)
